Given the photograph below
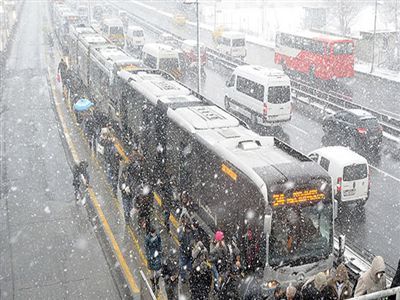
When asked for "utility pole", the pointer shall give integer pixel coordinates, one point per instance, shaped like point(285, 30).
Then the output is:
point(198, 48)
point(374, 37)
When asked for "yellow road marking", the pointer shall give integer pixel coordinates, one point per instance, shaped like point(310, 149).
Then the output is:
point(127, 273)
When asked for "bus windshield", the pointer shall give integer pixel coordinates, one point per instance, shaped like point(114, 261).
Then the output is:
point(300, 235)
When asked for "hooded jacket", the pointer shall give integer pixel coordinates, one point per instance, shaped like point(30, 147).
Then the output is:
point(153, 249)
point(345, 291)
point(396, 280)
point(369, 282)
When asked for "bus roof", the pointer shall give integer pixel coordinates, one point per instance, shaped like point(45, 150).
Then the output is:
point(113, 22)
point(233, 35)
point(160, 50)
point(155, 85)
point(319, 36)
point(117, 56)
point(94, 38)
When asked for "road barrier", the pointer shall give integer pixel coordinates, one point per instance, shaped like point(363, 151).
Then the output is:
point(381, 294)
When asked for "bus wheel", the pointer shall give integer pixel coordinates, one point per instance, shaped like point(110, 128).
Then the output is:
point(226, 102)
point(312, 73)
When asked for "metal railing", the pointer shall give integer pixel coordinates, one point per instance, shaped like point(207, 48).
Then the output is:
point(381, 294)
point(146, 293)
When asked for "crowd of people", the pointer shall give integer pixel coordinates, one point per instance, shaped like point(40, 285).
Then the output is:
point(201, 267)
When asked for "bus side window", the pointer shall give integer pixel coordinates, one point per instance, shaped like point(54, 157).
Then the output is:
point(231, 81)
point(324, 163)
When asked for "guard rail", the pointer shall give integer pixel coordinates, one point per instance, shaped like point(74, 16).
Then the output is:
point(381, 294)
point(330, 100)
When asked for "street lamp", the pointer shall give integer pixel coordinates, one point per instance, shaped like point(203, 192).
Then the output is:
point(198, 43)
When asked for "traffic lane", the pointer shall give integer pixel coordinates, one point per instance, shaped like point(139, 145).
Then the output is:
point(376, 228)
point(49, 245)
point(377, 93)
point(367, 91)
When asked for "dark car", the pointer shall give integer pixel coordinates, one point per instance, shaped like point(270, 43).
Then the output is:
point(354, 128)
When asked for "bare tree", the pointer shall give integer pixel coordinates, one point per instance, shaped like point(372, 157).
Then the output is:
point(391, 11)
point(344, 11)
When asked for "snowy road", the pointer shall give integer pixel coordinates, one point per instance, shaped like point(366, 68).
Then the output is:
point(374, 229)
point(48, 248)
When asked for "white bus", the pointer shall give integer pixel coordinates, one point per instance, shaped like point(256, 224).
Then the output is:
point(113, 29)
point(260, 94)
point(135, 37)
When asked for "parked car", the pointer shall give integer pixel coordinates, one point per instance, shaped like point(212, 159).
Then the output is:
point(349, 171)
point(354, 128)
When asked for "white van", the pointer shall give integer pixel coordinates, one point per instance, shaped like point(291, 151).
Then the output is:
point(259, 94)
point(162, 57)
point(232, 43)
point(349, 171)
point(135, 37)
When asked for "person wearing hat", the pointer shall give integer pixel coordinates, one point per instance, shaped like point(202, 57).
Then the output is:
point(339, 286)
point(219, 258)
point(200, 275)
point(78, 170)
point(185, 237)
point(373, 280)
point(315, 287)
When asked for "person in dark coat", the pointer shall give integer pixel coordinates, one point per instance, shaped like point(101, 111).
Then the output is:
point(153, 249)
point(170, 273)
point(396, 281)
point(78, 170)
point(144, 204)
point(185, 237)
point(90, 130)
point(220, 259)
point(200, 275)
point(315, 287)
point(167, 192)
point(62, 70)
point(126, 193)
point(112, 158)
point(339, 287)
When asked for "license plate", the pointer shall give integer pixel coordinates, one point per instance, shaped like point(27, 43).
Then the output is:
point(349, 192)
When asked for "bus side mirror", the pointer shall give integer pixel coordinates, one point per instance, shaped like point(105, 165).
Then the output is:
point(267, 224)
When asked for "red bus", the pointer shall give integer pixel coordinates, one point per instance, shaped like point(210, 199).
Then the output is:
point(320, 56)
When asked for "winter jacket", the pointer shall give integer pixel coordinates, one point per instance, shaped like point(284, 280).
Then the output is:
point(368, 282)
point(396, 281)
point(220, 257)
point(185, 237)
point(340, 292)
point(153, 249)
point(200, 281)
point(76, 175)
point(170, 274)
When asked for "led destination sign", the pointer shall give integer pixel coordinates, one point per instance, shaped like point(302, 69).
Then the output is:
point(297, 197)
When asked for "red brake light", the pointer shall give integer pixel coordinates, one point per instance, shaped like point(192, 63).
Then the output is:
point(362, 130)
point(339, 185)
point(265, 109)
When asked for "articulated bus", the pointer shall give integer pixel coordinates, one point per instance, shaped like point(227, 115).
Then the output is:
point(258, 190)
point(96, 61)
point(319, 55)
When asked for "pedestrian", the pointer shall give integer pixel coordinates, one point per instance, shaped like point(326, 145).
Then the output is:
point(170, 273)
point(112, 158)
point(167, 192)
point(339, 286)
point(153, 248)
point(315, 287)
point(79, 169)
point(143, 202)
point(251, 289)
point(199, 234)
point(372, 280)
point(396, 281)
point(279, 293)
point(90, 129)
point(220, 259)
point(185, 237)
point(230, 287)
point(126, 193)
point(200, 275)
point(62, 70)
point(186, 207)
